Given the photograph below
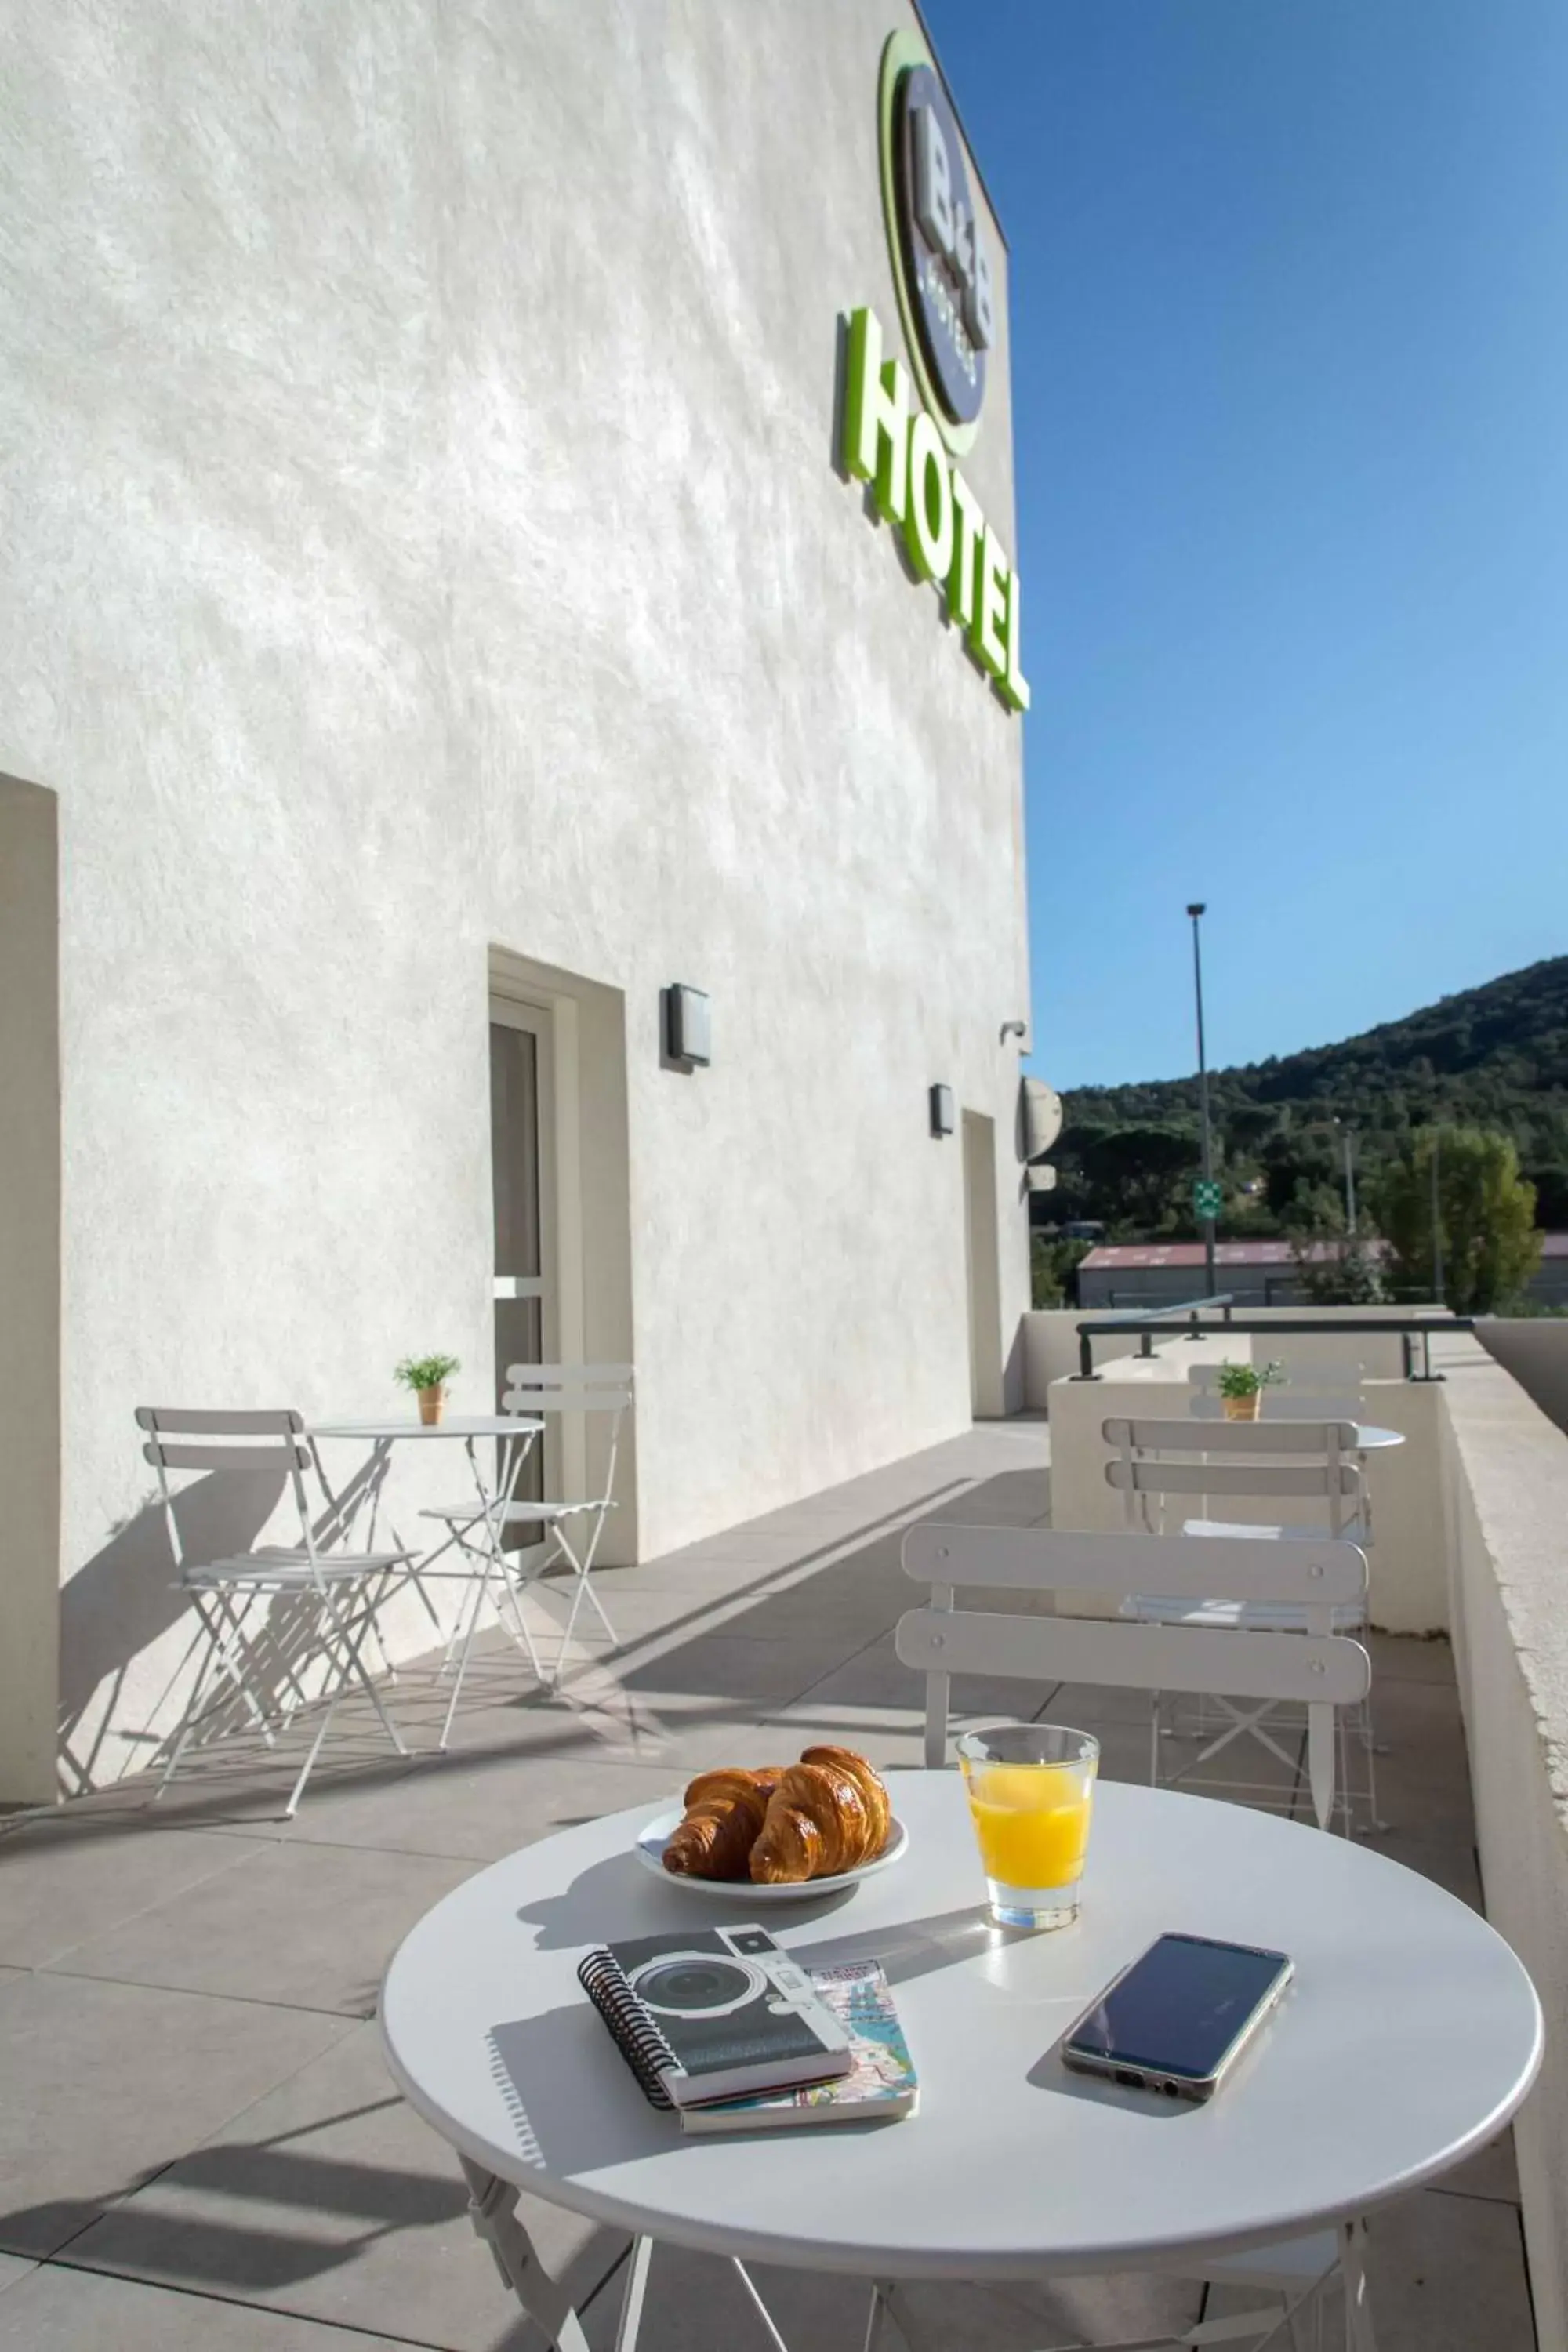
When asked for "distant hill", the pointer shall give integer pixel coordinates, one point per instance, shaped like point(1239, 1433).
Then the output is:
point(1494, 1057)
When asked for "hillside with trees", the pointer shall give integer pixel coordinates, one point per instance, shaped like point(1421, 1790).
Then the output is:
point(1493, 1059)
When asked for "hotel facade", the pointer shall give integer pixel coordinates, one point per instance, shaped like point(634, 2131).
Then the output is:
point(509, 534)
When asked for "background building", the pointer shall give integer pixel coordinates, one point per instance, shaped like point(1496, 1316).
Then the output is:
point(439, 620)
point(1254, 1274)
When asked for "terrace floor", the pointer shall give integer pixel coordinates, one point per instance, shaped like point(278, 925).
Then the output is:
point(199, 2145)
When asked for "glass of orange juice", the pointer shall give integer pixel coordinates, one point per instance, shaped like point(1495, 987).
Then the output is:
point(1031, 1791)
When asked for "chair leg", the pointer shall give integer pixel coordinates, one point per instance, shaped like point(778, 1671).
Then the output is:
point(1360, 2336)
point(196, 1708)
point(342, 1649)
point(580, 1571)
point(481, 1585)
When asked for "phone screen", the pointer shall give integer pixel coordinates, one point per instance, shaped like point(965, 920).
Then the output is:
point(1179, 2009)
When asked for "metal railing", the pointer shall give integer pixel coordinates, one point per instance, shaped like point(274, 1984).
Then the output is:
point(1138, 1319)
point(1410, 1328)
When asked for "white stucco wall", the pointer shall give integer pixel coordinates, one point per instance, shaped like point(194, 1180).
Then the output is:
point(422, 536)
point(1507, 1494)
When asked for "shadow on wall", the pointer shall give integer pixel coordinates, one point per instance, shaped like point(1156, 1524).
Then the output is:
point(125, 1600)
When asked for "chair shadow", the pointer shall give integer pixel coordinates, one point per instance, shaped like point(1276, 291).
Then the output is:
point(125, 1599)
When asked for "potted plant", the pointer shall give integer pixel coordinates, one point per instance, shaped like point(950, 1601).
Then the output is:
point(427, 1377)
point(1241, 1388)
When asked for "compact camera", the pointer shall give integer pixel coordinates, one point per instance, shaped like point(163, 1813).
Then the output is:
point(747, 1968)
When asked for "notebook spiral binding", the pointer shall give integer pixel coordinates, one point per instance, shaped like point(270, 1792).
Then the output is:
point(641, 2043)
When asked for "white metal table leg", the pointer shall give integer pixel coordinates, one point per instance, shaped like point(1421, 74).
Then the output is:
point(492, 2209)
point(632, 2295)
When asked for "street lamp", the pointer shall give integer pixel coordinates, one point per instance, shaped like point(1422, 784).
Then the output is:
point(1196, 911)
point(1348, 1132)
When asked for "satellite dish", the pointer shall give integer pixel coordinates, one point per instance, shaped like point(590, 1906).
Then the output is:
point(1042, 1117)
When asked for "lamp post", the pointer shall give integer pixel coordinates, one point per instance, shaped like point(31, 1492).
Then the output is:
point(1196, 911)
point(1348, 1133)
point(1436, 1225)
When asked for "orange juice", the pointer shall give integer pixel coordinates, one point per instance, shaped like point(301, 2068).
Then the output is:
point(1032, 1822)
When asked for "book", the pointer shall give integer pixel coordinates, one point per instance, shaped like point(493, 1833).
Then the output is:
point(716, 2013)
point(881, 2086)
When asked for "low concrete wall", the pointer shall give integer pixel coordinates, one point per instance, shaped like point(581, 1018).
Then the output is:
point(1534, 1349)
point(1507, 1501)
point(1050, 1345)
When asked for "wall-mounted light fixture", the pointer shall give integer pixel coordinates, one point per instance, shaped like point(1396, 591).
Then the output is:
point(943, 1117)
point(688, 1026)
point(1019, 1029)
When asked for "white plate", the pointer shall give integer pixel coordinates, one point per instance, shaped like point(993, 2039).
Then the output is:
point(654, 1836)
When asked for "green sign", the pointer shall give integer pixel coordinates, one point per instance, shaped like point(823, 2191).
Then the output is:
point(1208, 1196)
point(895, 447)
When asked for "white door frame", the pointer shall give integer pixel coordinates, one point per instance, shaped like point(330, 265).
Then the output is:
point(551, 1022)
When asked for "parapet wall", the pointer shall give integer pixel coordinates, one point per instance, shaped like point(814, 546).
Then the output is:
point(1506, 1505)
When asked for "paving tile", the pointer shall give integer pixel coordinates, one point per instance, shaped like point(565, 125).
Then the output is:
point(729, 1667)
point(12, 2269)
point(331, 2200)
point(696, 2303)
point(1491, 2172)
point(59, 2310)
point(1446, 2275)
point(57, 1887)
point(106, 2082)
point(303, 1926)
point(1404, 1657)
point(482, 1805)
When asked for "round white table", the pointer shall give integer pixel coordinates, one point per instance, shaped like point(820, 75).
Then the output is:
point(480, 1567)
point(1409, 2037)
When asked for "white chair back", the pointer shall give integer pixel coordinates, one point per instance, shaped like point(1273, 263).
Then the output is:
point(587, 1389)
point(1308, 1460)
point(1320, 1669)
point(184, 1437)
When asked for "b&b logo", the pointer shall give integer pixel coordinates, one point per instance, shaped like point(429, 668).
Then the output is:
point(941, 260)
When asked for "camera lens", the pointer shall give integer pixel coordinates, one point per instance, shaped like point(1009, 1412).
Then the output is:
point(690, 1984)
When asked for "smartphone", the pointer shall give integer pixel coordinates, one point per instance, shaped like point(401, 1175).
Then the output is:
point(1180, 2016)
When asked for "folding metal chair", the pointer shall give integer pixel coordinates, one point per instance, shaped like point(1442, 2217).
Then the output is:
point(1320, 1667)
point(343, 1589)
point(569, 1530)
point(1305, 1464)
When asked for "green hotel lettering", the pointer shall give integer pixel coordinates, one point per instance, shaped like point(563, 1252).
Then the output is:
point(948, 537)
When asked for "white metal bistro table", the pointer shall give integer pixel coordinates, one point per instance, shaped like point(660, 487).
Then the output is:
point(1409, 2037)
point(515, 1434)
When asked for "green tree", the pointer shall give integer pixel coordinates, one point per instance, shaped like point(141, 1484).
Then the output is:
point(1485, 1216)
point(1053, 1263)
point(1138, 1171)
point(1335, 1267)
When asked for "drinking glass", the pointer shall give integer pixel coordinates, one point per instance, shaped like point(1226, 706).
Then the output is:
point(1031, 1791)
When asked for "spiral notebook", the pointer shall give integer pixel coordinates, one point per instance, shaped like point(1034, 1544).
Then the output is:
point(715, 2013)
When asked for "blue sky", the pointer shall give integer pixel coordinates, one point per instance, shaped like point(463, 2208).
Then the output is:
point(1289, 319)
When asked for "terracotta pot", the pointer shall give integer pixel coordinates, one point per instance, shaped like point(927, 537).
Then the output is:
point(1246, 1408)
point(431, 1405)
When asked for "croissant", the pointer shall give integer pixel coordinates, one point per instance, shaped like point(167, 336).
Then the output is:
point(724, 1813)
point(819, 1821)
point(870, 1782)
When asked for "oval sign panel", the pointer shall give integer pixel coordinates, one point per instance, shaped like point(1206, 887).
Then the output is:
point(942, 261)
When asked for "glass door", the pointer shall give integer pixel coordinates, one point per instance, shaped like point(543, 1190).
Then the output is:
point(522, 1165)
